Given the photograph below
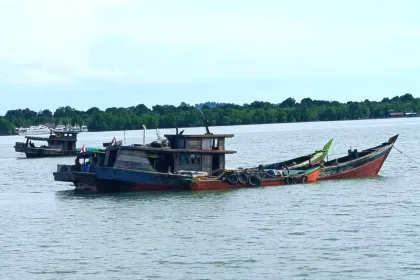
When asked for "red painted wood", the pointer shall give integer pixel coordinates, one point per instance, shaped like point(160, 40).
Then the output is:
point(154, 187)
point(367, 170)
point(219, 185)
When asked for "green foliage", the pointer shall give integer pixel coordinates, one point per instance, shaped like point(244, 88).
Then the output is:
point(6, 126)
point(185, 115)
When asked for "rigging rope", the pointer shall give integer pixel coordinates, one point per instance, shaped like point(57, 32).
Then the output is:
point(416, 162)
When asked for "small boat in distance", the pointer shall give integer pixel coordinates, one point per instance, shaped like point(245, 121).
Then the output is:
point(59, 144)
point(358, 164)
point(69, 127)
point(84, 128)
point(77, 128)
point(34, 130)
point(59, 128)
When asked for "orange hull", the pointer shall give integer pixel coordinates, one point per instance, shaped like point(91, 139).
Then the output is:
point(367, 170)
point(220, 185)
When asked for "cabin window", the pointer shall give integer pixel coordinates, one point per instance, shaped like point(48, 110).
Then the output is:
point(215, 144)
point(190, 159)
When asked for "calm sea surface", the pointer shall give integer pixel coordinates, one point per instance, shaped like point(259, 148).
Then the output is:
point(351, 229)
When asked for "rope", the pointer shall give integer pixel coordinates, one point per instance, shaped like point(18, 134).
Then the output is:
point(416, 162)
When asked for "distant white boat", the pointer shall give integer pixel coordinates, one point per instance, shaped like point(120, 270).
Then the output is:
point(59, 128)
point(63, 128)
point(84, 128)
point(34, 130)
point(76, 128)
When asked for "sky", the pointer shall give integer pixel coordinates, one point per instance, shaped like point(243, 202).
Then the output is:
point(108, 53)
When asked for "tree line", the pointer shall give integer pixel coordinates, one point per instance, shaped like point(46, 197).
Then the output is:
point(185, 115)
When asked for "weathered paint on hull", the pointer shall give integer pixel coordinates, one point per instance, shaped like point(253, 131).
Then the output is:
point(63, 176)
point(118, 180)
point(219, 185)
point(366, 169)
point(105, 186)
point(42, 155)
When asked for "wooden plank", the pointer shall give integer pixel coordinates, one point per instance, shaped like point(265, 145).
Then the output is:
point(222, 161)
point(194, 144)
point(221, 144)
point(206, 163)
point(207, 144)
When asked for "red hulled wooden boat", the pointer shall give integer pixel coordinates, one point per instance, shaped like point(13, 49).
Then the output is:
point(358, 164)
point(253, 178)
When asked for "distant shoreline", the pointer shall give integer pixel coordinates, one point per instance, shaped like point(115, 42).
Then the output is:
point(411, 117)
point(214, 114)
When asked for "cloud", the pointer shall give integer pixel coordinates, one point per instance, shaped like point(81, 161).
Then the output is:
point(47, 42)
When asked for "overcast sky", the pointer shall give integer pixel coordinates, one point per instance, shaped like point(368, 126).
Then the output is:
point(120, 53)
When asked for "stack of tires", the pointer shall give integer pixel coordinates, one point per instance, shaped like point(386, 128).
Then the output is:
point(243, 178)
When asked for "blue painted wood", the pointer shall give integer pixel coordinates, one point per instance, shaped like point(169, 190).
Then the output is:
point(139, 177)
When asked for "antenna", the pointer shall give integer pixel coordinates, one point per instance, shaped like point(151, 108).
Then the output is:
point(206, 122)
point(158, 134)
point(144, 135)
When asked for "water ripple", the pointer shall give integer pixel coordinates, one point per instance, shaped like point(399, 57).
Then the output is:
point(350, 229)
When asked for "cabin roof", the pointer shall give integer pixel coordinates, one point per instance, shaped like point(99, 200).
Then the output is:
point(64, 139)
point(200, 135)
point(174, 151)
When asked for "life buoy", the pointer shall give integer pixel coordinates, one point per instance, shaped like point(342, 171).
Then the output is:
point(288, 180)
point(243, 178)
point(304, 179)
point(233, 179)
point(254, 181)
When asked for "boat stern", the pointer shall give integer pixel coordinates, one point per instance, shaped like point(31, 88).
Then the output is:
point(64, 173)
point(20, 147)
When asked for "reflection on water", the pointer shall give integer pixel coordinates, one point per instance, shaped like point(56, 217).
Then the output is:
point(143, 196)
point(348, 229)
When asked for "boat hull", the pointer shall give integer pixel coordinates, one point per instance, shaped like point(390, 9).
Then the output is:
point(355, 170)
point(119, 180)
point(40, 153)
point(203, 184)
point(365, 166)
point(107, 180)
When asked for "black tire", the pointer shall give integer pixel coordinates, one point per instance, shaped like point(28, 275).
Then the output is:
point(297, 180)
point(243, 178)
point(233, 179)
point(254, 181)
point(288, 180)
point(304, 179)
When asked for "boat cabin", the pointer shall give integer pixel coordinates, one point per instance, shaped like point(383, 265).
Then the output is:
point(176, 153)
